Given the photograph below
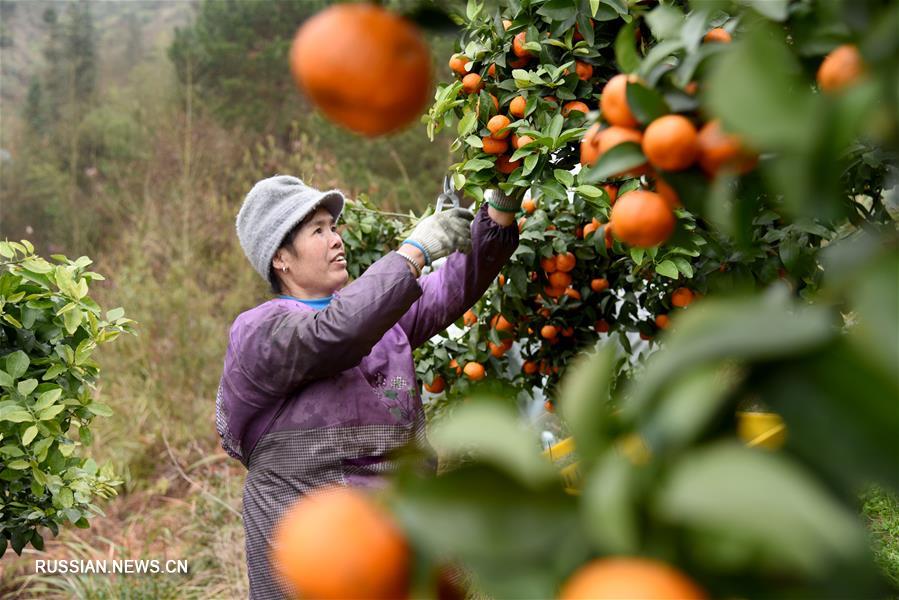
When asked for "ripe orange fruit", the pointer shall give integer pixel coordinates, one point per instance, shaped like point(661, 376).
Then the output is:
point(471, 83)
point(517, 106)
point(500, 323)
point(718, 34)
point(662, 321)
point(436, 386)
point(494, 146)
point(353, 92)
point(559, 280)
point(497, 127)
point(613, 105)
point(568, 331)
point(719, 150)
point(645, 336)
point(607, 234)
point(600, 284)
point(505, 166)
point(497, 350)
point(574, 105)
point(682, 297)
point(518, 46)
point(337, 543)
point(549, 331)
point(572, 293)
point(629, 577)
point(590, 145)
point(601, 326)
point(501, 279)
point(671, 143)
point(668, 193)
point(565, 262)
point(491, 70)
point(529, 367)
point(612, 191)
point(522, 141)
point(641, 218)
point(455, 365)
point(691, 88)
point(469, 318)
point(477, 106)
point(589, 228)
point(474, 371)
point(529, 206)
point(612, 136)
point(548, 406)
point(840, 69)
point(518, 63)
point(584, 70)
point(457, 63)
point(553, 292)
point(548, 264)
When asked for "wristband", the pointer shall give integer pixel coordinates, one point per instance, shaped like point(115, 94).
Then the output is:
point(502, 202)
point(412, 262)
point(420, 247)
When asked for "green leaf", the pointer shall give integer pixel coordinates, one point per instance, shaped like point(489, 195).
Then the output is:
point(757, 91)
point(15, 415)
point(619, 159)
point(65, 497)
point(18, 465)
point(6, 380)
point(99, 409)
point(27, 386)
point(646, 104)
point(584, 400)
point(17, 363)
point(72, 320)
point(625, 49)
point(609, 505)
point(558, 10)
point(564, 177)
point(493, 433)
point(46, 399)
point(50, 412)
point(776, 10)
point(767, 500)
point(637, 255)
point(589, 191)
point(683, 265)
point(29, 435)
point(668, 269)
point(740, 329)
point(467, 123)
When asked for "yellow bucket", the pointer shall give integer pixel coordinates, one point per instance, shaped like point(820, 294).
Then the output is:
point(756, 429)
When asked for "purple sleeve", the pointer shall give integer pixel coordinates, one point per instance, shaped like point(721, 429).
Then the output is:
point(283, 348)
point(461, 281)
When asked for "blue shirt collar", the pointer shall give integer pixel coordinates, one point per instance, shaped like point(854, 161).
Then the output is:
point(317, 303)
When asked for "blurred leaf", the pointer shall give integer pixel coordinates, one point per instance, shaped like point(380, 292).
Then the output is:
point(776, 10)
point(584, 400)
point(766, 499)
point(646, 104)
point(625, 50)
point(757, 90)
point(841, 414)
point(496, 527)
point(619, 159)
point(875, 298)
point(665, 21)
point(609, 505)
point(739, 329)
point(492, 433)
point(687, 405)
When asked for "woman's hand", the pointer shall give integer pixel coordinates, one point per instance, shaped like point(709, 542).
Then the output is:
point(443, 233)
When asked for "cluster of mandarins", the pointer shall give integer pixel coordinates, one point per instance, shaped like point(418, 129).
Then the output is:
point(341, 543)
point(501, 141)
point(674, 142)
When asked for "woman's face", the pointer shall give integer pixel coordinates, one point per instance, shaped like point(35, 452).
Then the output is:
point(317, 266)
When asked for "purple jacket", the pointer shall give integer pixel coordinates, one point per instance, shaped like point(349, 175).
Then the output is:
point(311, 398)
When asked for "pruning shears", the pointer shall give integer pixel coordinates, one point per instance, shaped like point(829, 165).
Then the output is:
point(450, 198)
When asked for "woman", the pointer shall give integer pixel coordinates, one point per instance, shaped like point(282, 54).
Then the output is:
point(319, 384)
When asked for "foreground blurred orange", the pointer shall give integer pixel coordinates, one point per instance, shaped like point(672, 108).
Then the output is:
point(337, 543)
point(364, 67)
point(629, 579)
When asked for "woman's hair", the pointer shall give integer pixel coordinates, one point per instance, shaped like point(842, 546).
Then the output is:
point(287, 244)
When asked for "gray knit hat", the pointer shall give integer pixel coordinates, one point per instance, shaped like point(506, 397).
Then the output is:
point(271, 210)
